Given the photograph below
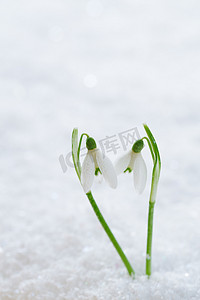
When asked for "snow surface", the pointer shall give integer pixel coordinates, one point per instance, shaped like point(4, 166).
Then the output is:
point(104, 67)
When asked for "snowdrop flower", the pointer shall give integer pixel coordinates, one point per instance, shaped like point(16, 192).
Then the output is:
point(133, 161)
point(95, 162)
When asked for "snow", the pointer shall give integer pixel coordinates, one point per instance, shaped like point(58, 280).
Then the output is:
point(104, 67)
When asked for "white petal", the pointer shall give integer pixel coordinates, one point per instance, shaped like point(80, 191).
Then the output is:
point(132, 161)
point(139, 173)
point(107, 169)
point(87, 172)
point(123, 163)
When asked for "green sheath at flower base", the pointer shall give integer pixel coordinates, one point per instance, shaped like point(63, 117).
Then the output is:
point(90, 143)
point(75, 151)
point(138, 146)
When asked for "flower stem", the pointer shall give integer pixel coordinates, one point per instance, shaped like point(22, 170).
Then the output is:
point(152, 200)
point(110, 234)
point(154, 185)
point(150, 147)
point(149, 238)
point(79, 145)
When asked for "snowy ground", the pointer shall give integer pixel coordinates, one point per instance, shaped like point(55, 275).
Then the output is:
point(104, 67)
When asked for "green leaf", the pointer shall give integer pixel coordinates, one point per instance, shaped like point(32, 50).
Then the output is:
point(75, 152)
point(155, 147)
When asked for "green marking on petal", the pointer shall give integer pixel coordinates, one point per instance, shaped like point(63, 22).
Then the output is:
point(97, 171)
point(128, 170)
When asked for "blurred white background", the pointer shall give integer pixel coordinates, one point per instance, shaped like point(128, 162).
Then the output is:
point(104, 67)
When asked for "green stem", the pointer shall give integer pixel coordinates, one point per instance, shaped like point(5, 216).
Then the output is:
point(79, 146)
point(154, 185)
point(110, 234)
point(152, 200)
point(150, 147)
point(149, 238)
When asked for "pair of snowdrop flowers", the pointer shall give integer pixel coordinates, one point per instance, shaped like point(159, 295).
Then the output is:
point(95, 162)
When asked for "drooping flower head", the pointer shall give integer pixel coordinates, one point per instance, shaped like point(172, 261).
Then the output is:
point(133, 161)
point(95, 162)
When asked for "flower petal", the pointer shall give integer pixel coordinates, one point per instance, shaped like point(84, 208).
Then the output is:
point(87, 172)
point(107, 169)
point(123, 163)
point(140, 173)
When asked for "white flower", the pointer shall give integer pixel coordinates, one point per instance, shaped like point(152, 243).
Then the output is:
point(94, 162)
point(133, 161)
